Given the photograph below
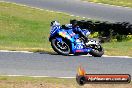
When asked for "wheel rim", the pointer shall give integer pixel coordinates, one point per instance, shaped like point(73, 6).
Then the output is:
point(62, 46)
point(97, 48)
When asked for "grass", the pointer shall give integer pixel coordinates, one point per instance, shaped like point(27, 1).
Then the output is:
point(29, 82)
point(118, 48)
point(24, 28)
point(125, 3)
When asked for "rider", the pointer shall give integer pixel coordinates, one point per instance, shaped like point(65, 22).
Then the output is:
point(76, 29)
point(82, 32)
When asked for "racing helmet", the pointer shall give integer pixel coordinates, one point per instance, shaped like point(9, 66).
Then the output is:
point(53, 23)
point(74, 22)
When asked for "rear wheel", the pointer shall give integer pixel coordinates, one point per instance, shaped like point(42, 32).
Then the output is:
point(60, 47)
point(97, 50)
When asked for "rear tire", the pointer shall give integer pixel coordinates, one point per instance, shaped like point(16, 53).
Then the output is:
point(63, 50)
point(97, 52)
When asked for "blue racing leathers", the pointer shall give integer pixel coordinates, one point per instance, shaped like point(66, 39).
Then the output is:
point(82, 32)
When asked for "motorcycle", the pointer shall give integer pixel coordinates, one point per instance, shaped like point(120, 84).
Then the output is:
point(65, 42)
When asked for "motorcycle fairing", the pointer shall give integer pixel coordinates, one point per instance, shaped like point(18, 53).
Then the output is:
point(68, 34)
point(54, 29)
point(76, 45)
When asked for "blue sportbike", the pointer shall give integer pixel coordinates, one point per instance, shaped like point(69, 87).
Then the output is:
point(65, 42)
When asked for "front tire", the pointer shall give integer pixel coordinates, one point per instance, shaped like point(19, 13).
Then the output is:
point(61, 48)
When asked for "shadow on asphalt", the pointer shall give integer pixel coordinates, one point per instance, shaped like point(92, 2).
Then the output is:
point(50, 53)
point(56, 54)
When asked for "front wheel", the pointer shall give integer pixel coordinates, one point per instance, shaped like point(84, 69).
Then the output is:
point(62, 47)
point(97, 50)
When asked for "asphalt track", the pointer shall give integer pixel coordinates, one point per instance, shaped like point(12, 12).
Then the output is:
point(42, 64)
point(84, 9)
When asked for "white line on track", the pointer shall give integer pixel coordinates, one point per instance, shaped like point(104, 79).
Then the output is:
point(107, 4)
point(36, 76)
point(42, 9)
point(81, 55)
point(110, 56)
point(16, 51)
point(117, 56)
